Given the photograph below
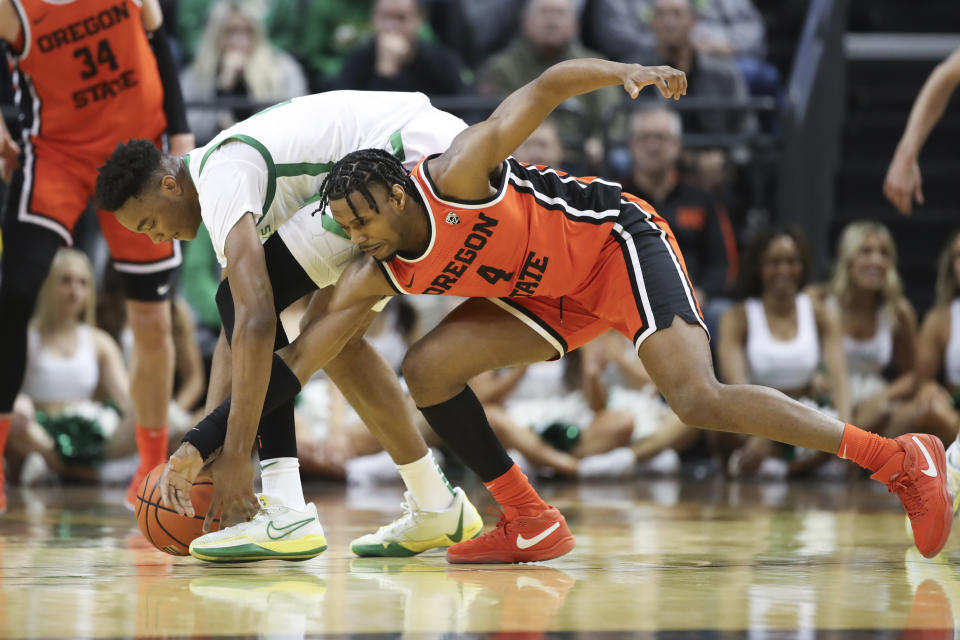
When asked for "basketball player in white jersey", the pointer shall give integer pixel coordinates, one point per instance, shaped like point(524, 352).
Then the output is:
point(255, 188)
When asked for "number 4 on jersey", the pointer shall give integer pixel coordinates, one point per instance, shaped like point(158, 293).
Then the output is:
point(493, 275)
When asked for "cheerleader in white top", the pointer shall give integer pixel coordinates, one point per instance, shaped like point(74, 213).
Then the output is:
point(71, 367)
point(879, 327)
point(938, 358)
point(778, 337)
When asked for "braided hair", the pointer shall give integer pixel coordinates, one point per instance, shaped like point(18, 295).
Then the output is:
point(357, 170)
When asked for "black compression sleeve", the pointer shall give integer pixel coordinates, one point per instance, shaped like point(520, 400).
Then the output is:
point(172, 96)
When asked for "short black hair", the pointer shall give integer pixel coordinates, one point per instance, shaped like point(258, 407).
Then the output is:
point(750, 282)
point(357, 170)
point(126, 173)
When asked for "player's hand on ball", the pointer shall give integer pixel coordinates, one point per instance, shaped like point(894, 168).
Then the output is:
point(671, 82)
point(178, 476)
point(233, 496)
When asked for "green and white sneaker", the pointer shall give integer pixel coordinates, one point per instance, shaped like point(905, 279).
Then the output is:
point(418, 530)
point(953, 474)
point(276, 533)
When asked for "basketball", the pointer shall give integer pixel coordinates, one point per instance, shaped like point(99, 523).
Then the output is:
point(162, 526)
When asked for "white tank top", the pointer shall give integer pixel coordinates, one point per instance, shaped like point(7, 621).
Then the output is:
point(951, 359)
point(51, 377)
point(872, 355)
point(782, 364)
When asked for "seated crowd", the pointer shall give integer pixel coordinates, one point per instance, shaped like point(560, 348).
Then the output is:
point(850, 345)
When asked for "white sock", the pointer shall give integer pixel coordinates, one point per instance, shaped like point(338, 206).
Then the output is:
point(425, 480)
point(280, 478)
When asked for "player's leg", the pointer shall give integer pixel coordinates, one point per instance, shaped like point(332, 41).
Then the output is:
point(478, 336)
point(30, 240)
point(282, 491)
point(149, 274)
point(671, 340)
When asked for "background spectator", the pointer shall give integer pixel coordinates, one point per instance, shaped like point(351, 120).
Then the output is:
point(879, 325)
point(708, 75)
point(235, 60)
point(398, 59)
point(544, 146)
point(549, 34)
point(72, 369)
point(778, 337)
point(938, 352)
point(700, 225)
point(319, 34)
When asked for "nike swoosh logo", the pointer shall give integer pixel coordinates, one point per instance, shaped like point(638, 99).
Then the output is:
point(163, 289)
point(410, 284)
point(286, 529)
point(931, 469)
point(524, 543)
point(40, 19)
point(264, 466)
point(458, 534)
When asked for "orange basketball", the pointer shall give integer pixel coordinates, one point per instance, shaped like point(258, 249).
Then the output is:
point(162, 526)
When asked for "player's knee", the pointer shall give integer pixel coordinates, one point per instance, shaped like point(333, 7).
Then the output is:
point(416, 371)
point(427, 375)
point(694, 400)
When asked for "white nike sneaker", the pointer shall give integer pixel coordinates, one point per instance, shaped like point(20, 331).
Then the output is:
point(275, 533)
point(418, 530)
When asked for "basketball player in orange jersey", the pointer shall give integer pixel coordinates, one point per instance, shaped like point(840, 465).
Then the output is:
point(86, 79)
point(552, 261)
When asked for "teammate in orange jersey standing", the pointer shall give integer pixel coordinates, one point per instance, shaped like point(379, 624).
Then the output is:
point(85, 79)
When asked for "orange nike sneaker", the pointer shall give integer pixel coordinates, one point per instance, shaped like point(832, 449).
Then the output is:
point(918, 476)
point(517, 539)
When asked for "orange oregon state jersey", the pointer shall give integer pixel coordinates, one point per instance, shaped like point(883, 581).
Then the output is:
point(541, 234)
point(84, 74)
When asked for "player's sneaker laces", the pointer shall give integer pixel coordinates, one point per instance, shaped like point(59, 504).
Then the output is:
point(918, 476)
point(519, 539)
point(275, 533)
point(418, 530)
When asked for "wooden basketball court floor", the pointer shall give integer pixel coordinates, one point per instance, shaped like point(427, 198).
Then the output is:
point(669, 558)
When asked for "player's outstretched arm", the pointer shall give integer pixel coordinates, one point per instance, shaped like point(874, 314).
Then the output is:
point(902, 185)
point(253, 338)
point(360, 287)
point(464, 168)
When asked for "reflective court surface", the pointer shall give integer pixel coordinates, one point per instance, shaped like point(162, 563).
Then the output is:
point(665, 559)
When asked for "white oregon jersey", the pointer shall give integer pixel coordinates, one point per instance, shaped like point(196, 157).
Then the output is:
point(299, 141)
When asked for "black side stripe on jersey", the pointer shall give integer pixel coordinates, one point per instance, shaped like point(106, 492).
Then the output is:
point(533, 318)
point(630, 256)
point(596, 195)
point(647, 218)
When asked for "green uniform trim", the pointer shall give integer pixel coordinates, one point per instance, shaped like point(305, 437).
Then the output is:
point(396, 144)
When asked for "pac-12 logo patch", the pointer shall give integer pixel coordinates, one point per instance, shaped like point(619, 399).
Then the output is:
point(452, 218)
